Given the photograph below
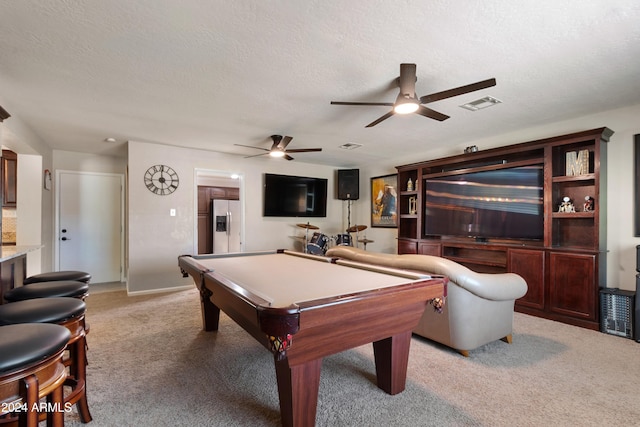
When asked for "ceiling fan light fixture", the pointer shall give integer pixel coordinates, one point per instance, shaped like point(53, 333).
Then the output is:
point(276, 153)
point(406, 104)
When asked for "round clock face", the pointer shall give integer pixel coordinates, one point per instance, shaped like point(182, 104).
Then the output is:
point(161, 180)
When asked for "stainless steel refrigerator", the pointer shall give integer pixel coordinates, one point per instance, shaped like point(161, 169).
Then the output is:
point(226, 226)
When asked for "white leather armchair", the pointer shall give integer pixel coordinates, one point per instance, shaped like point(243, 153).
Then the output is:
point(478, 308)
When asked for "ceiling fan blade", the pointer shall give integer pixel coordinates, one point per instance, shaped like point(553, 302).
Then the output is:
point(386, 104)
point(457, 91)
point(250, 146)
point(407, 79)
point(432, 114)
point(285, 141)
point(304, 150)
point(256, 155)
point(288, 157)
point(379, 119)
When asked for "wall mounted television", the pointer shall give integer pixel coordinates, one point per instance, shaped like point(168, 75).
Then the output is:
point(504, 203)
point(294, 196)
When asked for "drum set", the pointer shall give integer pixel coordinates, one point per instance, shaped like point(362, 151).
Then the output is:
point(320, 242)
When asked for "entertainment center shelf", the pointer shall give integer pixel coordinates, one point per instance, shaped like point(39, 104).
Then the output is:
point(563, 258)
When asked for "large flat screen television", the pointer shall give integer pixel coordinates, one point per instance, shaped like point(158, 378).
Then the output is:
point(503, 204)
point(294, 196)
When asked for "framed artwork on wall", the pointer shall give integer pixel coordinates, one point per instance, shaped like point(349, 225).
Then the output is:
point(384, 201)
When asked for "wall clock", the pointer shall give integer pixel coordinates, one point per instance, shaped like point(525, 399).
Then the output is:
point(161, 180)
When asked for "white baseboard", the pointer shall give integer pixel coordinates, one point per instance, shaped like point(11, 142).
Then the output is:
point(158, 291)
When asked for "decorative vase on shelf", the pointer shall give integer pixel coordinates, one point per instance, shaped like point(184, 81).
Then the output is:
point(410, 185)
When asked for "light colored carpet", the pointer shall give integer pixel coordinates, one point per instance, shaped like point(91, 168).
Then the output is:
point(150, 364)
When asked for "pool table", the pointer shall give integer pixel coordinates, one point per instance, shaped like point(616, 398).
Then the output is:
point(304, 307)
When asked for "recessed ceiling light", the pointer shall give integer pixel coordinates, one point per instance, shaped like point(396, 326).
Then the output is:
point(350, 146)
point(479, 104)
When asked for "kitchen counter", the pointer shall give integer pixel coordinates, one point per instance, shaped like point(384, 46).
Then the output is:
point(11, 251)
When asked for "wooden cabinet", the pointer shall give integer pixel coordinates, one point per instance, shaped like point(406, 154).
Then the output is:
point(571, 286)
point(9, 167)
point(530, 264)
point(566, 266)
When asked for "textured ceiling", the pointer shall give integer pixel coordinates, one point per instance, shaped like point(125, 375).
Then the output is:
point(210, 74)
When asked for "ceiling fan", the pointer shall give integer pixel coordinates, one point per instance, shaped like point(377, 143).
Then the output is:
point(279, 148)
point(407, 102)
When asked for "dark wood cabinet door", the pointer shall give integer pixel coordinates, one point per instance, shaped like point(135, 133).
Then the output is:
point(407, 247)
point(572, 285)
point(529, 264)
point(433, 249)
point(9, 178)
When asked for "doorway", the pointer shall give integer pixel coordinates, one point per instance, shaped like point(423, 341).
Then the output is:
point(212, 185)
point(90, 224)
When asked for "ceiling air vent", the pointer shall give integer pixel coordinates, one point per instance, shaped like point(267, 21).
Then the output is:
point(479, 104)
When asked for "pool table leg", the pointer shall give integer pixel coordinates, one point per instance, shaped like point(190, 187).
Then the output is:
point(210, 311)
point(298, 390)
point(392, 357)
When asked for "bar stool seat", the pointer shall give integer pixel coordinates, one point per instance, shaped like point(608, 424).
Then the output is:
point(67, 312)
point(31, 368)
point(52, 276)
point(61, 288)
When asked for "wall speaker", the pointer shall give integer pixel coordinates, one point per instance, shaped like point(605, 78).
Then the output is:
point(348, 184)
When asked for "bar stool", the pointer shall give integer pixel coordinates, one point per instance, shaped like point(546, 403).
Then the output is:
point(67, 312)
point(60, 288)
point(53, 276)
point(31, 368)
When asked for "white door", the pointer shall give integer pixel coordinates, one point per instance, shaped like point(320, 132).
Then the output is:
point(89, 234)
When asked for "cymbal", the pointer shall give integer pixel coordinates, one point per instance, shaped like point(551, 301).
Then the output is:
point(356, 228)
point(365, 241)
point(308, 226)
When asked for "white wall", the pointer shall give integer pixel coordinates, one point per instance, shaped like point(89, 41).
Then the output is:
point(82, 162)
point(156, 239)
point(621, 242)
point(29, 207)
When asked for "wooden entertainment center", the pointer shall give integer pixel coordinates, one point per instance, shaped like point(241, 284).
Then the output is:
point(565, 268)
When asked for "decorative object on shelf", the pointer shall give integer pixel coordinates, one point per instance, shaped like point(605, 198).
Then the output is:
point(161, 180)
point(566, 206)
point(471, 149)
point(47, 179)
point(589, 204)
point(384, 201)
point(577, 163)
point(412, 205)
point(409, 185)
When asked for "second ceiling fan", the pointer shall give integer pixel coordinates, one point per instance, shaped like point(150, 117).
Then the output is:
point(279, 148)
point(407, 101)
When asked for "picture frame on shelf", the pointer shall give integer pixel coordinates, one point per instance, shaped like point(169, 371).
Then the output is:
point(384, 201)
